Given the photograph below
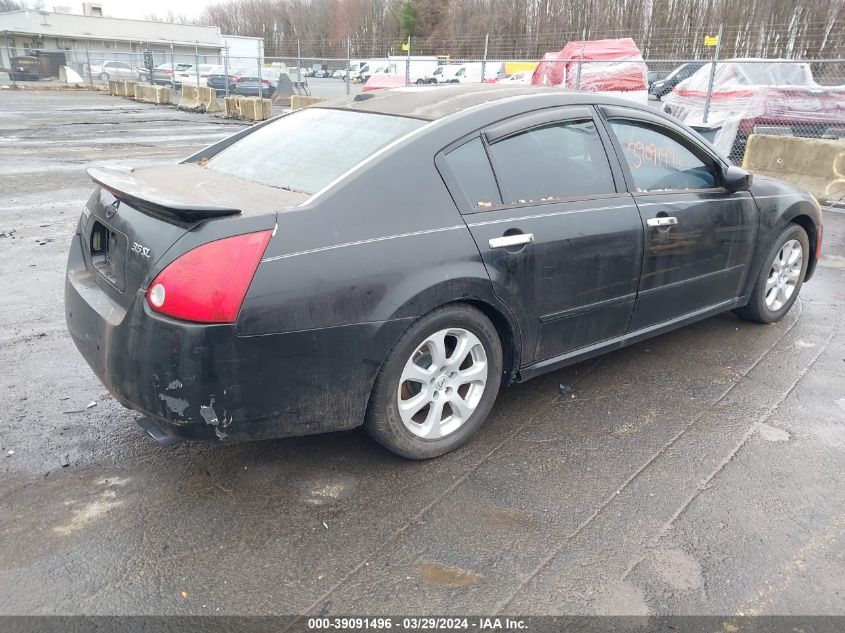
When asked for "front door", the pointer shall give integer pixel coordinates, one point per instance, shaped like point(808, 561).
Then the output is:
point(562, 244)
point(699, 238)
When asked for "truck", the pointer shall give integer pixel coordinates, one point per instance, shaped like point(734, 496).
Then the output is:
point(468, 72)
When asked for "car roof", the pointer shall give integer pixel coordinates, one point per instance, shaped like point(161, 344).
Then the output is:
point(436, 102)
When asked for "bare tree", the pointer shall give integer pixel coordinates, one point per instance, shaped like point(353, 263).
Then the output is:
point(668, 29)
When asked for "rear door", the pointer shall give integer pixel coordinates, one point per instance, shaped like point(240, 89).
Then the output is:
point(699, 237)
point(561, 242)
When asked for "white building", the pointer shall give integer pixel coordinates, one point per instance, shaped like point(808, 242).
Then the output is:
point(94, 38)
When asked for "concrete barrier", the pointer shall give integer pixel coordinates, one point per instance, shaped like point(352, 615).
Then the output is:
point(199, 98)
point(250, 108)
point(116, 88)
point(817, 165)
point(299, 101)
point(152, 94)
point(129, 89)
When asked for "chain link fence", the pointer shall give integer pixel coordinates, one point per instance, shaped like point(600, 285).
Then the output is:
point(725, 99)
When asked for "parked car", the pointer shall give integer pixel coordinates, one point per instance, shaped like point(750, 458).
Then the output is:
point(763, 96)
point(655, 75)
point(339, 74)
point(195, 75)
point(106, 71)
point(218, 79)
point(395, 271)
point(248, 84)
point(164, 74)
point(25, 68)
point(320, 73)
point(662, 87)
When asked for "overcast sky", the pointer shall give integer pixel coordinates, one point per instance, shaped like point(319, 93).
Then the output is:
point(137, 9)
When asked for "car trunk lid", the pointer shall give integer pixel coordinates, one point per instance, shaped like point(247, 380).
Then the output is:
point(135, 217)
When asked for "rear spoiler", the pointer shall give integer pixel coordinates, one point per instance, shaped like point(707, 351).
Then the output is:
point(146, 197)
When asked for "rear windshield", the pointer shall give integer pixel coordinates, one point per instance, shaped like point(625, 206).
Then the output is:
point(308, 149)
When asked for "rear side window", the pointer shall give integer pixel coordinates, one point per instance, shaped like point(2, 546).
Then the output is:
point(471, 168)
point(658, 162)
point(560, 160)
point(307, 150)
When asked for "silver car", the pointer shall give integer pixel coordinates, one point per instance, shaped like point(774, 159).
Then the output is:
point(117, 70)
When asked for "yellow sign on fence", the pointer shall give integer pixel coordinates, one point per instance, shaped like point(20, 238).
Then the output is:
point(405, 46)
point(711, 40)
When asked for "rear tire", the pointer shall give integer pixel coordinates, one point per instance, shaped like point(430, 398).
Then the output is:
point(780, 279)
point(437, 385)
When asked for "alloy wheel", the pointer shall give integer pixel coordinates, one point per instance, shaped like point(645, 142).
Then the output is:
point(442, 383)
point(784, 275)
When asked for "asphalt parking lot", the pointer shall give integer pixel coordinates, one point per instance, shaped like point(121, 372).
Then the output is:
point(702, 472)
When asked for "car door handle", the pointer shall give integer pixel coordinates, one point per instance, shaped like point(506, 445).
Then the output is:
point(511, 240)
point(666, 220)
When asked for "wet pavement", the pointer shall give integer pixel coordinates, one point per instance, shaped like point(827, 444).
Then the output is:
point(702, 472)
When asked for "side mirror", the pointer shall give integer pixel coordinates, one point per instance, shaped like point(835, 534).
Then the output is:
point(737, 179)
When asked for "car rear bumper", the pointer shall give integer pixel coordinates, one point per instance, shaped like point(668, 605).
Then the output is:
point(196, 381)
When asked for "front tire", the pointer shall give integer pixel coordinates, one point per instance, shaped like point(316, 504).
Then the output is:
point(781, 277)
point(437, 385)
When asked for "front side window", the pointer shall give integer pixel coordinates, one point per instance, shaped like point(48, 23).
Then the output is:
point(658, 162)
point(555, 161)
point(307, 150)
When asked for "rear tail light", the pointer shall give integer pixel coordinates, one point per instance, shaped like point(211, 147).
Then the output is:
point(264, 82)
point(209, 283)
point(168, 72)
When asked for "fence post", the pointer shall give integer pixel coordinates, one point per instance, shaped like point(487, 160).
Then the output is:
point(9, 53)
point(260, 55)
point(172, 69)
point(712, 75)
point(226, 70)
point(88, 63)
point(408, 64)
point(580, 61)
point(484, 59)
point(298, 68)
point(348, 62)
point(197, 61)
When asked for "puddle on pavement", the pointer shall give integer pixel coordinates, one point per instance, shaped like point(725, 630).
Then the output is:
point(447, 576)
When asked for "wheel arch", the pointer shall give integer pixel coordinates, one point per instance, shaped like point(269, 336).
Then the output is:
point(806, 222)
point(507, 328)
point(508, 332)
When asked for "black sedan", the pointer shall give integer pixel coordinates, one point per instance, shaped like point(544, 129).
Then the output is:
point(394, 258)
point(220, 80)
